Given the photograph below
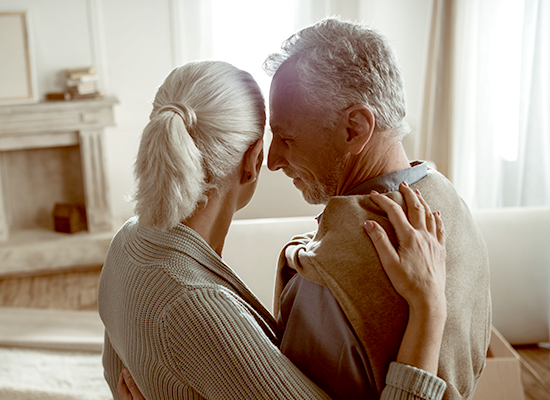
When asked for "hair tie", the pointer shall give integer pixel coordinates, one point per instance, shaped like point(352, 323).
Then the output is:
point(186, 113)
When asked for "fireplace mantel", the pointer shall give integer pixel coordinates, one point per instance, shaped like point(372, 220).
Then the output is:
point(74, 130)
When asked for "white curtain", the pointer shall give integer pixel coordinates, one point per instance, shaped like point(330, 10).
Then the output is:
point(244, 32)
point(432, 142)
point(492, 90)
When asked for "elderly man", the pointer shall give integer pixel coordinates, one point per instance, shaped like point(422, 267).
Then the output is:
point(337, 109)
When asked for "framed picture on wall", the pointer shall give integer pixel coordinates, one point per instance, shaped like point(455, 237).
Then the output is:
point(17, 73)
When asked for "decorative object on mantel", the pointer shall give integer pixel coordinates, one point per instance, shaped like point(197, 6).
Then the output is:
point(80, 83)
point(17, 72)
point(69, 218)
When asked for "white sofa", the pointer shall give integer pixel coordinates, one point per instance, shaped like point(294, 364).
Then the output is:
point(252, 247)
point(518, 241)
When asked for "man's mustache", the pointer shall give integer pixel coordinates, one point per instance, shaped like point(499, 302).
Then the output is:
point(290, 173)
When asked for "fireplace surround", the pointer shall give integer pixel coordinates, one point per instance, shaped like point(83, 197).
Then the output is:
point(52, 152)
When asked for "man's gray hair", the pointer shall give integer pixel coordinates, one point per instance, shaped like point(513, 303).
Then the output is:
point(205, 116)
point(340, 64)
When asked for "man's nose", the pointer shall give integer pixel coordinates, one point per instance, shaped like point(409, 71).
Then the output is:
point(275, 158)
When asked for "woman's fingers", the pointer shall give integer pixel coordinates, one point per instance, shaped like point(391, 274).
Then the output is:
point(382, 244)
point(419, 214)
point(127, 388)
point(122, 389)
point(429, 222)
point(415, 207)
point(395, 213)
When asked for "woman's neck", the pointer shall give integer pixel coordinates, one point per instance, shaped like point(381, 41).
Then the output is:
point(212, 221)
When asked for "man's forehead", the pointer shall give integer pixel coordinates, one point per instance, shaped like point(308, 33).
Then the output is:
point(281, 96)
point(284, 82)
point(286, 75)
point(279, 122)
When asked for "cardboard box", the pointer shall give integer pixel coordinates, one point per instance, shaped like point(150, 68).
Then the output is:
point(501, 378)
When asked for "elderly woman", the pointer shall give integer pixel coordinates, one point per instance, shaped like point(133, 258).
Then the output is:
point(179, 318)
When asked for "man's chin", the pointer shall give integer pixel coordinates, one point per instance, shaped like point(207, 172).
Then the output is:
point(313, 198)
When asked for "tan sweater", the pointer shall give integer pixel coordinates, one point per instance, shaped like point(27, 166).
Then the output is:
point(336, 256)
point(188, 328)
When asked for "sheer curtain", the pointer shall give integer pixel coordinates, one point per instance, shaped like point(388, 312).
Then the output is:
point(244, 32)
point(487, 100)
point(241, 32)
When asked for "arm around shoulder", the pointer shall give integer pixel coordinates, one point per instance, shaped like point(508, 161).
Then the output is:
point(217, 348)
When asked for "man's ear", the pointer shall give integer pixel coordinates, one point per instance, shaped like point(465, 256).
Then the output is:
point(252, 162)
point(359, 122)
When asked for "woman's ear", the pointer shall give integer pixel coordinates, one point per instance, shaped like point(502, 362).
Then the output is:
point(359, 122)
point(252, 162)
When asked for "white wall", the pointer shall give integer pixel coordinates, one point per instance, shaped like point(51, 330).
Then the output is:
point(406, 23)
point(131, 44)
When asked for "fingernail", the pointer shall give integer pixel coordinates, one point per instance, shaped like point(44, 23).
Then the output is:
point(126, 372)
point(374, 192)
point(369, 226)
point(404, 184)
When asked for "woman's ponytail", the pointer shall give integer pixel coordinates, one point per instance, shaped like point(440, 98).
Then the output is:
point(169, 168)
point(205, 115)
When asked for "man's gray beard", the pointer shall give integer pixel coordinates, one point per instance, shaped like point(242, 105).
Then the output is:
point(318, 195)
point(321, 195)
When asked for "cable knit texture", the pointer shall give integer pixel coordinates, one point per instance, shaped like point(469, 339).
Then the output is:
point(188, 328)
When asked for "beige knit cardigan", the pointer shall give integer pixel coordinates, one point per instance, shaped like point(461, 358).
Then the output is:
point(340, 256)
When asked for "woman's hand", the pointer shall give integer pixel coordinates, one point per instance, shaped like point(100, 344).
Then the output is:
point(127, 388)
point(417, 272)
point(417, 268)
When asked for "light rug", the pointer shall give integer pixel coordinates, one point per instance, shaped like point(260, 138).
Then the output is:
point(37, 374)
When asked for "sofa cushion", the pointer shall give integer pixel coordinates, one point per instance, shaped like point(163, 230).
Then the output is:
point(518, 241)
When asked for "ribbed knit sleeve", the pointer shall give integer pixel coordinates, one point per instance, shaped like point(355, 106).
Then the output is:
point(404, 382)
point(225, 354)
point(112, 366)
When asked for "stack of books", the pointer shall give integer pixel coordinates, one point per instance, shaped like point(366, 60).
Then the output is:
point(80, 83)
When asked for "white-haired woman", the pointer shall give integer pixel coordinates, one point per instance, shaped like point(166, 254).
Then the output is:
point(175, 314)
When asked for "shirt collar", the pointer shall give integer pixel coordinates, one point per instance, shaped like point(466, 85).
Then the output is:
point(390, 182)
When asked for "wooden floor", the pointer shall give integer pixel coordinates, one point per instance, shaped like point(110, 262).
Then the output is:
point(68, 290)
point(535, 372)
point(77, 290)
